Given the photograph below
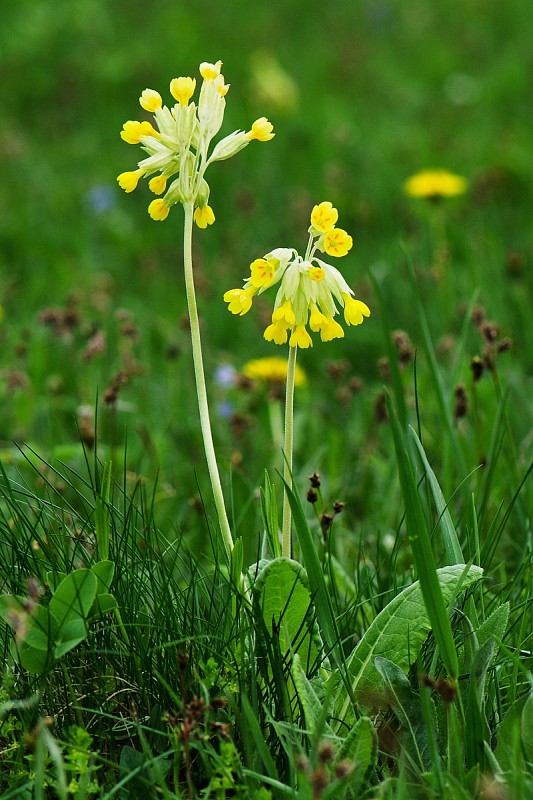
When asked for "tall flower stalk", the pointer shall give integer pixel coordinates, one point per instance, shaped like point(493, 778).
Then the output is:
point(178, 150)
point(308, 295)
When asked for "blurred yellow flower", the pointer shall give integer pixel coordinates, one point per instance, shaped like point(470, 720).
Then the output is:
point(434, 184)
point(272, 370)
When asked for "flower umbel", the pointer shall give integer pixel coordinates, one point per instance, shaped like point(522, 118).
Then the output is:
point(310, 290)
point(177, 147)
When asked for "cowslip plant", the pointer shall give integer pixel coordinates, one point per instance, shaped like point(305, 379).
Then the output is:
point(309, 290)
point(178, 150)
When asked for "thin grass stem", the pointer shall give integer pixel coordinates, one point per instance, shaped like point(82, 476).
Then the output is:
point(289, 439)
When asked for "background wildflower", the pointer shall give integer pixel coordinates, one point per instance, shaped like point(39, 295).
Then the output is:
point(434, 184)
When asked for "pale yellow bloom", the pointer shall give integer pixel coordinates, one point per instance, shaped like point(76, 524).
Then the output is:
point(354, 310)
point(276, 333)
point(150, 100)
point(300, 338)
point(204, 216)
point(324, 217)
point(434, 184)
point(273, 370)
point(262, 130)
point(337, 242)
point(316, 273)
point(182, 89)
point(210, 71)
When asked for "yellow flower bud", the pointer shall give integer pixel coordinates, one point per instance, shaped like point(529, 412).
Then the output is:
point(337, 242)
point(158, 209)
point(150, 100)
point(261, 130)
point(182, 89)
point(210, 71)
point(331, 330)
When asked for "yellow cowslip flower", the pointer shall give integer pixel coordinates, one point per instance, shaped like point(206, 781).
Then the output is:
point(158, 184)
point(204, 216)
point(182, 89)
point(309, 290)
point(158, 209)
point(272, 370)
point(239, 300)
point(337, 242)
point(261, 130)
point(150, 100)
point(261, 272)
point(178, 148)
point(434, 184)
point(129, 180)
point(133, 132)
point(324, 217)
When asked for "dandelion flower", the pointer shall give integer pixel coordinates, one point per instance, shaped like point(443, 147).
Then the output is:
point(272, 370)
point(435, 184)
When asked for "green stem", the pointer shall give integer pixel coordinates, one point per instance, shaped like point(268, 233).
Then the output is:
point(289, 435)
point(201, 391)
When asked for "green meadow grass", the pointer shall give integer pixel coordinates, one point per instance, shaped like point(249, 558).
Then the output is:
point(371, 665)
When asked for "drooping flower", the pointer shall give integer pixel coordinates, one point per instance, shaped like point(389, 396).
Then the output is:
point(434, 184)
point(310, 290)
point(177, 147)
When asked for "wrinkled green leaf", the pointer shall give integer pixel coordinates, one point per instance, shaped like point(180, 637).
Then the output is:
point(360, 747)
point(284, 598)
point(398, 633)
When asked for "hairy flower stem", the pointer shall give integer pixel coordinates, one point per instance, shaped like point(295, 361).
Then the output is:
point(201, 391)
point(287, 469)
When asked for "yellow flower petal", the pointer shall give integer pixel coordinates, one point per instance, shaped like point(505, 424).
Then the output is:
point(204, 216)
point(158, 210)
point(262, 130)
point(129, 180)
point(337, 242)
point(300, 338)
point(182, 89)
point(261, 272)
point(150, 100)
point(324, 217)
point(158, 184)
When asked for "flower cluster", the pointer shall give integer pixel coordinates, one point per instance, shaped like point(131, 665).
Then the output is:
point(179, 146)
point(309, 288)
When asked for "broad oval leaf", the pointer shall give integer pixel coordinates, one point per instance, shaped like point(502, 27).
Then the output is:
point(74, 597)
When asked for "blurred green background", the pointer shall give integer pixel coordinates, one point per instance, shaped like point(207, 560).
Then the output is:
point(362, 95)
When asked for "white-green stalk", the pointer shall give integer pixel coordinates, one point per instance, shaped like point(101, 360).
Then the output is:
point(288, 447)
point(201, 391)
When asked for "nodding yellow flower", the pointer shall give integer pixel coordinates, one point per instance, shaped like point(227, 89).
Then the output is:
point(158, 210)
point(324, 217)
point(434, 184)
point(210, 71)
point(158, 184)
point(276, 333)
point(261, 130)
point(310, 290)
point(132, 131)
point(182, 89)
point(178, 148)
point(261, 272)
point(354, 310)
point(239, 300)
point(129, 180)
point(204, 216)
point(337, 242)
point(300, 338)
point(150, 100)
point(272, 369)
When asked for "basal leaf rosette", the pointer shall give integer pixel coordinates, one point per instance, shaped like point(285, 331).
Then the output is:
point(310, 290)
point(178, 143)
